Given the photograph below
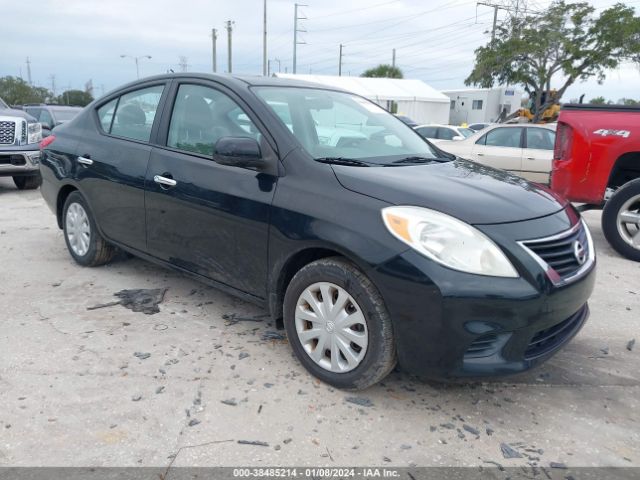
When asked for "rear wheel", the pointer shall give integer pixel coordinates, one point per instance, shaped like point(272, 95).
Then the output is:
point(338, 325)
point(85, 244)
point(27, 182)
point(621, 220)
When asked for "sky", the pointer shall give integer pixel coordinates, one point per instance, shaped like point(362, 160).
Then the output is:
point(78, 40)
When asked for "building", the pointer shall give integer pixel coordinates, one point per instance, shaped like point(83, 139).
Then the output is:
point(481, 104)
point(412, 98)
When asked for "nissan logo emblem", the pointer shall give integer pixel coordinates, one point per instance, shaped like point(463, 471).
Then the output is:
point(579, 252)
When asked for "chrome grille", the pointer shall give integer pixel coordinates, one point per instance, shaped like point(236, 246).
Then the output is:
point(7, 132)
point(565, 255)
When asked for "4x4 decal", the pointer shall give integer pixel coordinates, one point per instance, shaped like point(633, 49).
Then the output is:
point(619, 133)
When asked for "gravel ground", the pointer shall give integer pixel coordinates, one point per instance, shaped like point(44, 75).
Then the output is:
point(114, 387)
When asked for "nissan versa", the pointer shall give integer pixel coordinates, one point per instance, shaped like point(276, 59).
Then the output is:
point(372, 245)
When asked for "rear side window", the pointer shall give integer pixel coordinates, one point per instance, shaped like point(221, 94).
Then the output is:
point(134, 114)
point(540, 138)
point(502, 137)
point(105, 114)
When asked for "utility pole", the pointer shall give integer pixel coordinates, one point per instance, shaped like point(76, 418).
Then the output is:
point(264, 41)
point(214, 37)
point(52, 77)
point(29, 71)
point(513, 7)
point(340, 62)
point(182, 61)
point(296, 30)
point(393, 58)
point(137, 60)
point(229, 30)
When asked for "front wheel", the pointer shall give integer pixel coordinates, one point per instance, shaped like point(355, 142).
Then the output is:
point(621, 220)
point(27, 182)
point(338, 325)
point(85, 244)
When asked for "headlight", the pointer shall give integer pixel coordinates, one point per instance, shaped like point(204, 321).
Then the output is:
point(34, 133)
point(447, 240)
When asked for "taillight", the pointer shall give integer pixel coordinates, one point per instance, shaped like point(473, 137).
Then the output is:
point(45, 142)
point(564, 137)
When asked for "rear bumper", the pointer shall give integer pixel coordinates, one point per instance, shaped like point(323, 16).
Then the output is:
point(19, 161)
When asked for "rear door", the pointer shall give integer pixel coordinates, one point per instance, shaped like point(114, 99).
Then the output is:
point(112, 163)
point(538, 154)
point(214, 219)
point(500, 147)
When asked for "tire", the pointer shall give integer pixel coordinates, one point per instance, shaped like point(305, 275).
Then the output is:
point(27, 182)
point(339, 277)
point(618, 234)
point(95, 250)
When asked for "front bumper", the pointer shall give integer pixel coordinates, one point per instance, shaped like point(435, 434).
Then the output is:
point(23, 160)
point(453, 324)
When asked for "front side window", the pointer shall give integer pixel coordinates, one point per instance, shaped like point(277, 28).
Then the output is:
point(330, 124)
point(202, 115)
point(502, 137)
point(136, 112)
point(446, 133)
point(46, 118)
point(540, 138)
point(428, 132)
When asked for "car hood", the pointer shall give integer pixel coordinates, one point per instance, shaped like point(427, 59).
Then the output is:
point(12, 112)
point(474, 193)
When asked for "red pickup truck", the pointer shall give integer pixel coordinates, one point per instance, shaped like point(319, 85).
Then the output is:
point(596, 161)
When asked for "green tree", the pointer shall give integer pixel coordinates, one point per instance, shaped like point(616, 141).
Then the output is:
point(628, 101)
point(15, 91)
point(383, 71)
point(598, 101)
point(77, 98)
point(563, 44)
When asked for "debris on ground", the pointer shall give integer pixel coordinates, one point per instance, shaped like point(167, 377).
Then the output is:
point(136, 398)
point(137, 300)
point(160, 389)
point(509, 452)
point(253, 442)
point(243, 355)
point(362, 401)
point(193, 422)
point(230, 401)
point(558, 465)
point(270, 335)
point(630, 344)
point(491, 462)
point(142, 355)
point(232, 318)
point(470, 429)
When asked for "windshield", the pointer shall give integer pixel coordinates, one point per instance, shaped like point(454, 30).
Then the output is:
point(340, 125)
point(64, 115)
point(466, 132)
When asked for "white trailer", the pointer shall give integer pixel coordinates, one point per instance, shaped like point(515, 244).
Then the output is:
point(482, 105)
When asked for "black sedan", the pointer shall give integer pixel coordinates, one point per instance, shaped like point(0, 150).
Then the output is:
point(372, 246)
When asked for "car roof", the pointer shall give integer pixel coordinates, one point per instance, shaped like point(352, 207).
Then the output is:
point(231, 79)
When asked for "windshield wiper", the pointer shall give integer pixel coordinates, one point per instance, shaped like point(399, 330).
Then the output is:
point(352, 162)
point(417, 160)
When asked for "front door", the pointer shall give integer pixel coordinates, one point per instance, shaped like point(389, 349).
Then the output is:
point(204, 217)
point(501, 148)
point(538, 154)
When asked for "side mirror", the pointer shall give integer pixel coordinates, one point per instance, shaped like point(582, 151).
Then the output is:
point(458, 138)
point(46, 130)
point(243, 152)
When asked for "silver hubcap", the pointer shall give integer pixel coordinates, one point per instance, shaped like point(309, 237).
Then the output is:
point(77, 229)
point(331, 327)
point(629, 222)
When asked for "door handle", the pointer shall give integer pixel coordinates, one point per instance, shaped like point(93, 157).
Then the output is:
point(167, 182)
point(85, 160)
point(531, 158)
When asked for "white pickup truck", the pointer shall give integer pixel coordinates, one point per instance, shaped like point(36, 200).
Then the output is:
point(20, 135)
